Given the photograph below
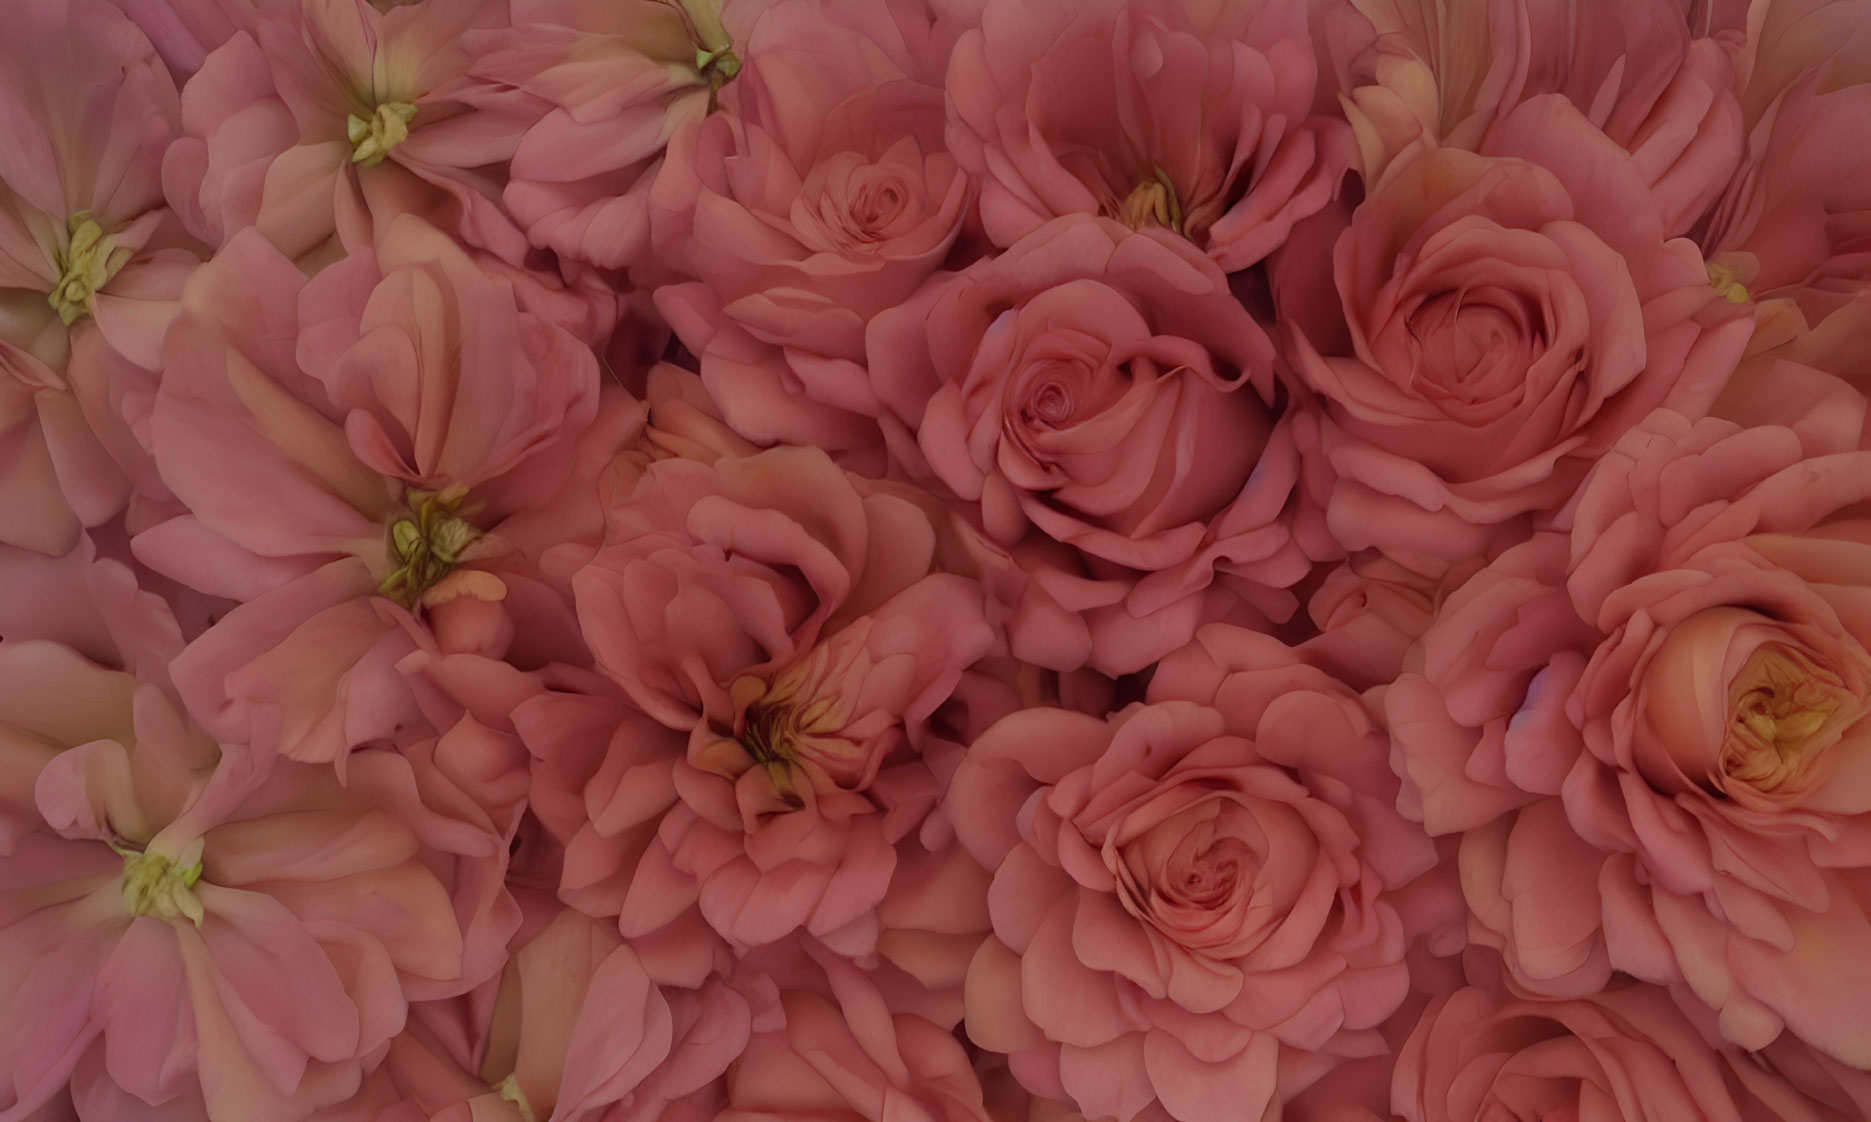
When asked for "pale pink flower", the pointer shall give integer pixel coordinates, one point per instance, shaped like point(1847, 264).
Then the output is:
point(1659, 79)
point(185, 929)
point(607, 84)
point(331, 116)
point(87, 286)
point(389, 413)
point(1195, 117)
point(1648, 731)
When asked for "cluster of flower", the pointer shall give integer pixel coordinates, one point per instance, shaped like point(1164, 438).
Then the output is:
point(935, 560)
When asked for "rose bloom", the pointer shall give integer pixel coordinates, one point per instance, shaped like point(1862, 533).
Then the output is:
point(1188, 901)
point(1505, 318)
point(1029, 381)
point(1193, 117)
point(1628, 1053)
point(1660, 79)
point(1650, 732)
point(783, 615)
point(817, 195)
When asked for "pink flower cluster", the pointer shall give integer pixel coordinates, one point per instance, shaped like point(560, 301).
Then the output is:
point(935, 560)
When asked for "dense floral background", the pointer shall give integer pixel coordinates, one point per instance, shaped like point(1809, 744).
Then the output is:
point(935, 560)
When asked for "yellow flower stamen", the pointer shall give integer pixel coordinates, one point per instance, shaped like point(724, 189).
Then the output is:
point(1153, 203)
point(154, 885)
point(387, 127)
point(429, 543)
point(1726, 285)
point(1786, 709)
point(88, 261)
point(509, 1089)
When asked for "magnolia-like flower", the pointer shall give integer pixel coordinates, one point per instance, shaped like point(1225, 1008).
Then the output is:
point(87, 286)
point(393, 409)
point(183, 930)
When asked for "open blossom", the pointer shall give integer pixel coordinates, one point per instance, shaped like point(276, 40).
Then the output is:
point(1649, 732)
point(1102, 389)
point(86, 283)
point(1188, 902)
point(1791, 224)
point(817, 195)
point(610, 83)
point(1192, 117)
point(1658, 77)
point(1505, 318)
point(790, 625)
point(185, 928)
point(329, 116)
point(391, 411)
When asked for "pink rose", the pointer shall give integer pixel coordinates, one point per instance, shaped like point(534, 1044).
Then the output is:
point(787, 621)
point(819, 195)
point(1507, 317)
point(1188, 116)
point(1030, 380)
point(1658, 78)
point(1628, 1053)
point(1648, 732)
point(1188, 902)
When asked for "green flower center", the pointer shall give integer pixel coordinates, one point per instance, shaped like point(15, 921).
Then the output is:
point(88, 261)
point(388, 126)
point(154, 885)
point(509, 1090)
point(429, 543)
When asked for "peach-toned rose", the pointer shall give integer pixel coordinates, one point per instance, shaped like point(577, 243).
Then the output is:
point(1188, 902)
point(1505, 318)
point(1650, 732)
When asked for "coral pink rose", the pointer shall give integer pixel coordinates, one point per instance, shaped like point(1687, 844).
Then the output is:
point(1655, 76)
point(1188, 902)
point(603, 85)
point(1650, 732)
point(329, 116)
point(817, 196)
point(184, 930)
point(1507, 316)
point(1628, 1053)
point(789, 624)
point(1190, 116)
point(1030, 380)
